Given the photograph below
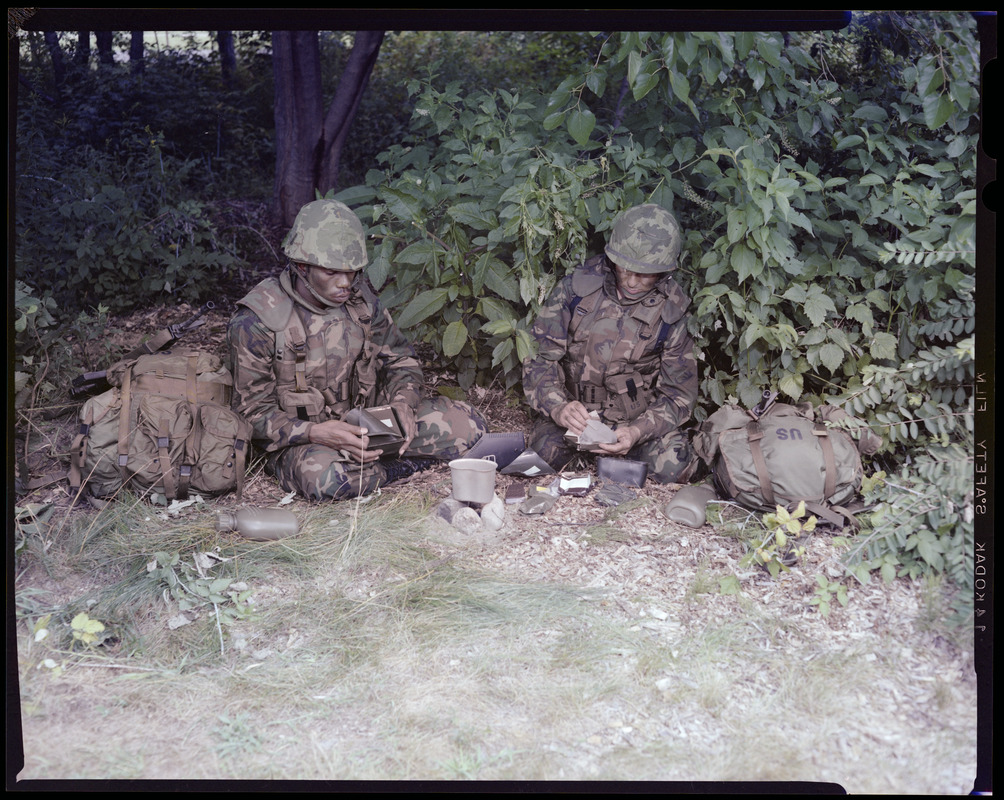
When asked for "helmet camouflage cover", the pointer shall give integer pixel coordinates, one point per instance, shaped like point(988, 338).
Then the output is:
point(645, 239)
point(327, 234)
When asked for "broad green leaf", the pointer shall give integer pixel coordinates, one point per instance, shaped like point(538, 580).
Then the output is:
point(422, 253)
point(502, 280)
point(581, 122)
point(791, 384)
point(498, 327)
point(378, 270)
point(471, 214)
point(493, 309)
point(745, 262)
point(769, 49)
point(883, 346)
point(423, 306)
point(937, 110)
point(681, 87)
point(832, 356)
point(525, 345)
point(454, 338)
point(816, 306)
point(872, 113)
point(849, 141)
point(645, 83)
point(552, 121)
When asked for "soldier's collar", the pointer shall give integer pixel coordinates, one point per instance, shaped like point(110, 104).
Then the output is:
point(610, 288)
point(287, 280)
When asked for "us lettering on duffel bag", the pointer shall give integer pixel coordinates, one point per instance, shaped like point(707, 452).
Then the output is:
point(786, 455)
point(164, 425)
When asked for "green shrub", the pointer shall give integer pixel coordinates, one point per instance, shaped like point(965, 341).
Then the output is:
point(114, 230)
point(826, 182)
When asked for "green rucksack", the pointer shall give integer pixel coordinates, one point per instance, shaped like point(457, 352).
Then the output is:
point(785, 455)
point(165, 425)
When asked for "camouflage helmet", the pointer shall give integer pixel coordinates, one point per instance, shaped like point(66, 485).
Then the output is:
point(645, 239)
point(327, 234)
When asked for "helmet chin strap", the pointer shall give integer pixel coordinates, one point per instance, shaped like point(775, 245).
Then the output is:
point(302, 275)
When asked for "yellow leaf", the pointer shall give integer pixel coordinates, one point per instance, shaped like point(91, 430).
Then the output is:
point(809, 525)
point(782, 540)
point(800, 510)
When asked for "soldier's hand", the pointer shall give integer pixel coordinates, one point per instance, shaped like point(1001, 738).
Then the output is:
point(626, 439)
point(339, 435)
point(573, 416)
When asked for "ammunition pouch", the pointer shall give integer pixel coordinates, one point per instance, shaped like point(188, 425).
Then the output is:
point(308, 404)
point(622, 398)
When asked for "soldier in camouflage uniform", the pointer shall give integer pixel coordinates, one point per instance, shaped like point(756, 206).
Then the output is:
point(309, 345)
point(613, 339)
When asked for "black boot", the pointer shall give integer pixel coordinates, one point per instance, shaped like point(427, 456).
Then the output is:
point(405, 467)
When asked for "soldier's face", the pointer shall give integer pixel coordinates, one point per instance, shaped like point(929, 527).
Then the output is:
point(634, 284)
point(335, 286)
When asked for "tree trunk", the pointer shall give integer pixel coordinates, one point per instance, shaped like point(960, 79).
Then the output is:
point(342, 112)
point(104, 39)
point(136, 53)
point(56, 54)
point(228, 59)
point(296, 62)
point(83, 52)
point(308, 144)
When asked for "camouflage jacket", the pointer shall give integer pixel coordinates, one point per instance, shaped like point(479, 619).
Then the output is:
point(295, 363)
point(633, 361)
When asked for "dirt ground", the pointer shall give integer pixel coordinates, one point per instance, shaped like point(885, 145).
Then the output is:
point(920, 722)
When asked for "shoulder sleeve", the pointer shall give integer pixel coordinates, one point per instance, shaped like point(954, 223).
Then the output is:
point(250, 352)
point(544, 374)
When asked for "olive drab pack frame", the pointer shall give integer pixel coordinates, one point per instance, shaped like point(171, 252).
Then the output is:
point(780, 455)
point(165, 424)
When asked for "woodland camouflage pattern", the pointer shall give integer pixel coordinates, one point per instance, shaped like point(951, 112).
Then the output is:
point(327, 234)
point(599, 355)
point(352, 354)
point(645, 239)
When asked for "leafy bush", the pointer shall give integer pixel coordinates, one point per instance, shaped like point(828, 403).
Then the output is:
point(825, 182)
point(114, 184)
point(113, 230)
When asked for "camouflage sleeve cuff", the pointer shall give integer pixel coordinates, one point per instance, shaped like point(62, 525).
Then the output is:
point(406, 398)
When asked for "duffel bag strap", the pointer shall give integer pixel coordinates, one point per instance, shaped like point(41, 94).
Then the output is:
point(830, 483)
point(838, 516)
point(754, 433)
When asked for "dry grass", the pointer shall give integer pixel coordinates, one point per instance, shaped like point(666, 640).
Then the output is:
point(381, 649)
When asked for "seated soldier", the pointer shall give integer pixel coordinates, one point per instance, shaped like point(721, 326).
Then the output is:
point(612, 339)
point(313, 343)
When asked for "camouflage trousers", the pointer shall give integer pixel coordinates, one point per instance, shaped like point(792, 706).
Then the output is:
point(446, 429)
point(670, 459)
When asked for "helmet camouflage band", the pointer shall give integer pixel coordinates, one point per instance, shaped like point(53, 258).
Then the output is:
point(645, 239)
point(327, 234)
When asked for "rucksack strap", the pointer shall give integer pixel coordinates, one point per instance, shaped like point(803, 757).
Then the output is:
point(754, 433)
point(191, 373)
point(78, 451)
point(240, 459)
point(580, 308)
point(164, 456)
point(829, 460)
point(123, 443)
